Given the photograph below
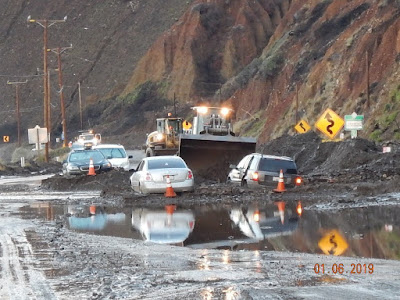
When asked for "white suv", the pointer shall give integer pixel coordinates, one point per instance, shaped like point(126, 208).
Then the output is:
point(263, 170)
point(115, 154)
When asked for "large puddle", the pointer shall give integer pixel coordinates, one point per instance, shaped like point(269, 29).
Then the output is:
point(362, 231)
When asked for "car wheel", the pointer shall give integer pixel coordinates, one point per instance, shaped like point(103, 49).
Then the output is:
point(244, 183)
point(228, 180)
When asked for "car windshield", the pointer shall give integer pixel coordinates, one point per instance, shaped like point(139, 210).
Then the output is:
point(165, 164)
point(113, 152)
point(86, 156)
point(275, 165)
point(86, 137)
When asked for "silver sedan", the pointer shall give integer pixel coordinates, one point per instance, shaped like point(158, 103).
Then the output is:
point(153, 172)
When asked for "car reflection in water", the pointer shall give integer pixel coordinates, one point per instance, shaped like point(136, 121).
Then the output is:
point(91, 218)
point(168, 226)
point(261, 225)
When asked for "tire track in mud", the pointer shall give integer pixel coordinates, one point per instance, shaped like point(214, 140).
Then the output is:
point(19, 278)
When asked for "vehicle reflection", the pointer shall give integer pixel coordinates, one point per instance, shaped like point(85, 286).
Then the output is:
point(90, 218)
point(168, 226)
point(359, 231)
point(261, 225)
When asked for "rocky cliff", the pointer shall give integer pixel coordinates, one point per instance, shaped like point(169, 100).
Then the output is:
point(269, 59)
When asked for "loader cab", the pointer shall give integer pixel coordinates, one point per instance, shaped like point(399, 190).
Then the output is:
point(170, 126)
point(213, 120)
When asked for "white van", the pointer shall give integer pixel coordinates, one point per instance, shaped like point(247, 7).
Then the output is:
point(115, 154)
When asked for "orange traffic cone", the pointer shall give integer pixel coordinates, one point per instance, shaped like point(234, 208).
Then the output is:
point(169, 192)
point(91, 168)
point(281, 209)
point(170, 210)
point(281, 184)
point(92, 209)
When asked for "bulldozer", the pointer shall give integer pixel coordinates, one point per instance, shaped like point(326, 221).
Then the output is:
point(212, 145)
point(165, 140)
point(208, 147)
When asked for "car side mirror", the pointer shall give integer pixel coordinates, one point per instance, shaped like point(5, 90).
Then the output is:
point(130, 156)
point(132, 170)
point(64, 161)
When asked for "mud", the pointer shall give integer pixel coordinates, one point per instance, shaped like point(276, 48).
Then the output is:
point(332, 171)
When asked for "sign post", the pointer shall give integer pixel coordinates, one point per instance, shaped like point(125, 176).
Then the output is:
point(353, 123)
point(37, 136)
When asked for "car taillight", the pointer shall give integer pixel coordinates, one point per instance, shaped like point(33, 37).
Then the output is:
point(189, 175)
point(298, 180)
point(255, 176)
point(191, 224)
point(256, 216)
point(148, 177)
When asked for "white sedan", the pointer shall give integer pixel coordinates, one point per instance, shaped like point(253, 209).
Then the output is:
point(153, 172)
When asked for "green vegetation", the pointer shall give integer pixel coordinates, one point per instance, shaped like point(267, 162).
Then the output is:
point(251, 127)
point(392, 240)
point(271, 65)
point(376, 135)
point(59, 152)
point(388, 120)
point(349, 41)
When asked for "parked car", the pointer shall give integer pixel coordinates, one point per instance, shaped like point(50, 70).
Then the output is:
point(78, 162)
point(152, 173)
point(263, 170)
point(115, 154)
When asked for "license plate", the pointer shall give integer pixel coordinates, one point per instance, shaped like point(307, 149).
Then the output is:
point(171, 178)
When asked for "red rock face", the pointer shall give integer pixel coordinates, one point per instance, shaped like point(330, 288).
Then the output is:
point(211, 43)
point(267, 55)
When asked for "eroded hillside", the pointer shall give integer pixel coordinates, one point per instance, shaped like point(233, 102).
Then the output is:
point(263, 56)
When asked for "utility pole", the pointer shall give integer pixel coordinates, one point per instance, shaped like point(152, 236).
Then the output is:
point(58, 51)
point(367, 67)
point(297, 105)
point(46, 82)
point(80, 104)
point(18, 115)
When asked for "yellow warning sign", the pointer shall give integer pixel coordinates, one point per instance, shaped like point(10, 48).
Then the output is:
point(6, 138)
point(330, 123)
point(302, 127)
point(186, 125)
point(333, 243)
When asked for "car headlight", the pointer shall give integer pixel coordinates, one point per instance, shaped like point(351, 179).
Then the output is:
point(107, 165)
point(72, 167)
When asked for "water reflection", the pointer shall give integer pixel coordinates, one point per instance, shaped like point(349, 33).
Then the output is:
point(168, 226)
point(368, 231)
point(264, 224)
point(91, 218)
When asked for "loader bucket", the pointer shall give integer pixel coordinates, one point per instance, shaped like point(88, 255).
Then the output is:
point(209, 156)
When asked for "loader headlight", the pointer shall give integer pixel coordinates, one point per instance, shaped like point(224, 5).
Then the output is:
point(159, 137)
point(225, 111)
point(202, 110)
